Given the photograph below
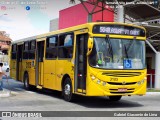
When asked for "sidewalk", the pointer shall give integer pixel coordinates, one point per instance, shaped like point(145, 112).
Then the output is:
point(5, 92)
point(152, 93)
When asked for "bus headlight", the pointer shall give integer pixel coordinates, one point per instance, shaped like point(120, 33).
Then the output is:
point(104, 83)
point(145, 78)
point(140, 82)
point(93, 77)
point(98, 81)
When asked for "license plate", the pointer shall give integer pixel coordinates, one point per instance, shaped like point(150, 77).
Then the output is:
point(122, 89)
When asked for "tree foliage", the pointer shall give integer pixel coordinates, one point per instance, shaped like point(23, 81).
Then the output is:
point(72, 1)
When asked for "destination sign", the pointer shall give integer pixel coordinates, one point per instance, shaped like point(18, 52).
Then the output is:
point(119, 30)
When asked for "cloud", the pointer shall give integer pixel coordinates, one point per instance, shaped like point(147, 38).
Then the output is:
point(5, 18)
point(54, 6)
point(18, 24)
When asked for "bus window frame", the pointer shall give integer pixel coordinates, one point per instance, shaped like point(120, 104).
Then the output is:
point(13, 47)
point(14, 52)
point(25, 50)
point(48, 47)
point(31, 50)
point(30, 45)
point(60, 46)
point(24, 47)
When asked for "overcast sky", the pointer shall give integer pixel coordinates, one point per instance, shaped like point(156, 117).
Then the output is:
point(21, 23)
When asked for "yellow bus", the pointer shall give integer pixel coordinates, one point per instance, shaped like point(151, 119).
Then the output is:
point(93, 59)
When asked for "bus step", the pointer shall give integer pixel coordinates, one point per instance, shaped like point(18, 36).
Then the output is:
point(39, 87)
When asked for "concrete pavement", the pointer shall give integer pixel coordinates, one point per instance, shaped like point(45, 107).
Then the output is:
point(5, 93)
point(7, 88)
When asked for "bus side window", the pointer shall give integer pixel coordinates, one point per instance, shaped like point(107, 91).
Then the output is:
point(14, 51)
point(51, 47)
point(26, 50)
point(66, 45)
point(68, 40)
point(32, 46)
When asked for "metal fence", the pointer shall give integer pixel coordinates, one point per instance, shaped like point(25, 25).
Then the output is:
point(150, 81)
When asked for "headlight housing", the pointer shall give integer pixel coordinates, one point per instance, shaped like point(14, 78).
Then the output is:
point(98, 81)
point(141, 82)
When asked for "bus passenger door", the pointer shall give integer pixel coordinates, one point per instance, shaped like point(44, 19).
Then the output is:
point(19, 63)
point(39, 63)
point(81, 63)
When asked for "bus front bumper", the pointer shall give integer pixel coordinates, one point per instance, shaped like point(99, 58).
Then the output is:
point(97, 89)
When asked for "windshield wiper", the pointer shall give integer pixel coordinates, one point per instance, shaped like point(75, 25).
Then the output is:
point(110, 46)
point(126, 51)
point(130, 44)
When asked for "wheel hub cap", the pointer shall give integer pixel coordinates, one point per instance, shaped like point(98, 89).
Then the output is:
point(67, 89)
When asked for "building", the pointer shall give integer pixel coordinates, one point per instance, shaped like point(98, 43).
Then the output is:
point(77, 15)
point(54, 24)
point(5, 42)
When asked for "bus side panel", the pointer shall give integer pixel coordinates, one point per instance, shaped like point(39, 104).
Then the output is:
point(20, 72)
point(28, 66)
point(49, 74)
point(24, 69)
point(63, 67)
point(13, 69)
point(31, 70)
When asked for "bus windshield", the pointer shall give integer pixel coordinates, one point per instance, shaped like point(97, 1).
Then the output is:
point(111, 53)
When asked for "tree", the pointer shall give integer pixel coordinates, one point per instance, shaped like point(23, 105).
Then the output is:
point(72, 1)
point(3, 33)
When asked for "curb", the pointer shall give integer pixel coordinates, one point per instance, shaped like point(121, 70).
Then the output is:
point(152, 93)
point(5, 93)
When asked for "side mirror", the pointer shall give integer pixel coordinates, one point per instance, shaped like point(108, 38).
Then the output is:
point(90, 46)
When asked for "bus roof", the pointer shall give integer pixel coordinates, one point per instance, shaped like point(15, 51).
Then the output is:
point(74, 28)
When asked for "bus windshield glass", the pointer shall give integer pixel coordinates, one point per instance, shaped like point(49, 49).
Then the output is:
point(110, 53)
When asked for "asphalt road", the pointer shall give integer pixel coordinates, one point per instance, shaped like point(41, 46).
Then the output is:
point(22, 100)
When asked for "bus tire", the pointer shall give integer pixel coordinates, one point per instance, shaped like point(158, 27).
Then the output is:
point(67, 90)
point(115, 98)
point(26, 81)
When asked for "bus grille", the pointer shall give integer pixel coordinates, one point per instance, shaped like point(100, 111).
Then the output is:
point(122, 74)
point(118, 83)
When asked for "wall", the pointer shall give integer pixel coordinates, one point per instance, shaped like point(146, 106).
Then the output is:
point(152, 57)
point(77, 15)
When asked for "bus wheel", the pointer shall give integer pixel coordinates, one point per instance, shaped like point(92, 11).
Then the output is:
point(67, 90)
point(115, 98)
point(26, 81)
